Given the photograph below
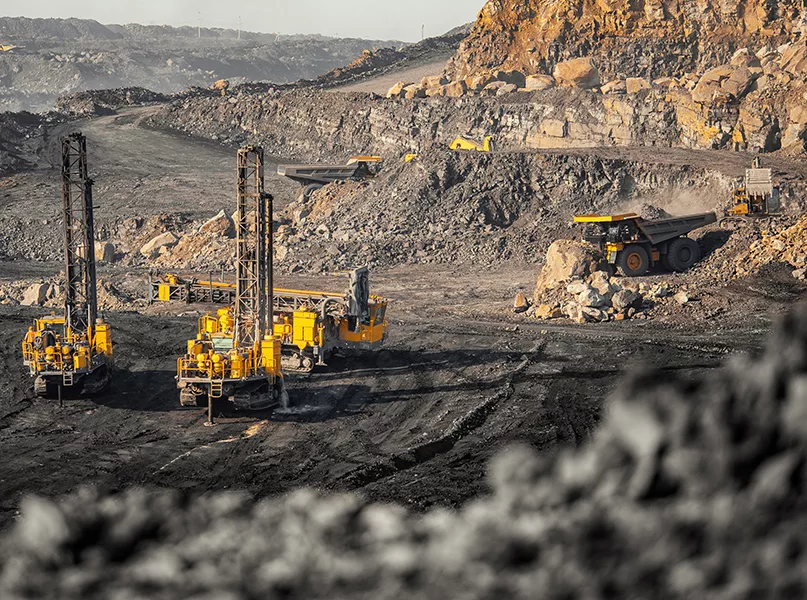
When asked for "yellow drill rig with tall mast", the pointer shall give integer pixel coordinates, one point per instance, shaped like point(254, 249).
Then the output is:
point(73, 352)
point(235, 354)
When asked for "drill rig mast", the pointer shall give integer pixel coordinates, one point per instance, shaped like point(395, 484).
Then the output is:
point(237, 356)
point(74, 351)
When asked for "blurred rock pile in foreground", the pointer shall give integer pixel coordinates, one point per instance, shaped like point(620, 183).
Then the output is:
point(691, 489)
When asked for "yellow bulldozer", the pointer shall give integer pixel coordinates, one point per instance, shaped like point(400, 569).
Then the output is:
point(467, 144)
point(755, 196)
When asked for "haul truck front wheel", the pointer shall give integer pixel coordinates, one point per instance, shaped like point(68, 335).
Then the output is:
point(633, 260)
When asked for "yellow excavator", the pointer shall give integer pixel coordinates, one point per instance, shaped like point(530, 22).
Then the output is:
point(467, 144)
point(73, 352)
point(9, 48)
point(236, 356)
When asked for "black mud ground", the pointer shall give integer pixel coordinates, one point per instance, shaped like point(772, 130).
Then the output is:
point(693, 485)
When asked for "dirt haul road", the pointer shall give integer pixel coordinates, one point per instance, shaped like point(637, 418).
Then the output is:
point(414, 423)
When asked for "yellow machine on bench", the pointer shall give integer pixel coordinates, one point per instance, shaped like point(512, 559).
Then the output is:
point(755, 196)
point(468, 144)
point(311, 324)
point(73, 352)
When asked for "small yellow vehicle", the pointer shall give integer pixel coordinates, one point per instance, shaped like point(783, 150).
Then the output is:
point(466, 144)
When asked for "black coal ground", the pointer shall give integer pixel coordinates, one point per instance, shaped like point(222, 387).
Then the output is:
point(691, 487)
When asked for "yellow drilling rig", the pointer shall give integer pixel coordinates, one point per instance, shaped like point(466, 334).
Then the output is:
point(235, 354)
point(73, 352)
point(311, 324)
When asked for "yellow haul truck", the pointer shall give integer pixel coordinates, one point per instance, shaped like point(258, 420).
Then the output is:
point(73, 352)
point(635, 244)
point(239, 358)
point(310, 324)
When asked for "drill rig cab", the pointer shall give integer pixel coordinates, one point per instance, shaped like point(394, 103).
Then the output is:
point(73, 352)
point(239, 358)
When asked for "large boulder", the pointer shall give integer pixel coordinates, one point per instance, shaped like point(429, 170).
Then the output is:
point(478, 83)
point(105, 252)
point(566, 259)
point(414, 91)
point(725, 79)
point(536, 83)
point(625, 299)
point(433, 81)
point(516, 78)
point(634, 85)
point(617, 86)
point(794, 58)
point(396, 91)
point(506, 89)
point(578, 72)
point(35, 294)
point(740, 82)
point(221, 225)
point(493, 88)
point(592, 298)
point(152, 248)
point(455, 90)
point(600, 282)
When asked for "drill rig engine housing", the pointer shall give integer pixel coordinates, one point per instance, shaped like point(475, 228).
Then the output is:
point(73, 352)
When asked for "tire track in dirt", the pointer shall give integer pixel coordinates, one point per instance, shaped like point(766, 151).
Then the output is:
point(460, 427)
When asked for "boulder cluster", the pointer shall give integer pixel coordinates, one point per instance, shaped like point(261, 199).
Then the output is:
point(576, 283)
point(787, 246)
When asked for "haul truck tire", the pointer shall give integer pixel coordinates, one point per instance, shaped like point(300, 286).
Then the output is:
point(682, 253)
point(633, 260)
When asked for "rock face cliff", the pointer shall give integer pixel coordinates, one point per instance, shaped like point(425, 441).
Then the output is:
point(651, 38)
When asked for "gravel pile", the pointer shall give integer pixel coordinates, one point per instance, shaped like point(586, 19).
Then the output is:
point(691, 488)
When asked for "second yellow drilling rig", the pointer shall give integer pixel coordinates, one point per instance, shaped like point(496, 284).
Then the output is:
point(73, 352)
point(238, 358)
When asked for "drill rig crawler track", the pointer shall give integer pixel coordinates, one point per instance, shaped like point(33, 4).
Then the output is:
point(73, 352)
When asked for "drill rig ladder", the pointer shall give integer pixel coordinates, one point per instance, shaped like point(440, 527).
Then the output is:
point(81, 304)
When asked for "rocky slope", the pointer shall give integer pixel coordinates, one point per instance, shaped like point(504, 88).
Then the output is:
point(649, 38)
point(690, 488)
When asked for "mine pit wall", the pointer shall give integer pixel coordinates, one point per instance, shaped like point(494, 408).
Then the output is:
point(651, 38)
point(309, 126)
point(445, 208)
